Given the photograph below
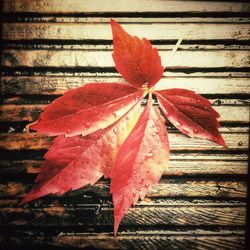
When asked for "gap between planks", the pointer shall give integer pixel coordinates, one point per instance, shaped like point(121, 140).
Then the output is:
point(123, 20)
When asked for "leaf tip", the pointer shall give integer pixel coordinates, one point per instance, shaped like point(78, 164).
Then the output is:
point(24, 200)
point(116, 224)
point(112, 21)
point(219, 140)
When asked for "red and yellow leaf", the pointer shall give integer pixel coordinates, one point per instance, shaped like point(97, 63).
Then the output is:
point(101, 132)
point(135, 59)
point(87, 109)
point(140, 162)
point(74, 162)
point(191, 113)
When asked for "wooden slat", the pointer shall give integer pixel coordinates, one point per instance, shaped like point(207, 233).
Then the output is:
point(229, 114)
point(166, 188)
point(130, 6)
point(234, 141)
point(149, 240)
point(176, 167)
point(200, 156)
point(75, 58)
point(154, 31)
point(59, 84)
point(150, 215)
point(96, 204)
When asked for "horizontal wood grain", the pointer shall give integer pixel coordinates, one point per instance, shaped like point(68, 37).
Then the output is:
point(88, 201)
point(175, 167)
point(166, 188)
point(149, 240)
point(10, 112)
point(129, 6)
point(182, 214)
point(48, 85)
point(80, 58)
point(177, 141)
point(153, 31)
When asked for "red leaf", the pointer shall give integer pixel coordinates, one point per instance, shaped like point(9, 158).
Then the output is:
point(87, 109)
point(106, 136)
point(191, 113)
point(73, 162)
point(135, 59)
point(139, 163)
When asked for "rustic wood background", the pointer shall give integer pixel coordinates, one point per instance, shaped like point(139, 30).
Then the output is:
point(50, 46)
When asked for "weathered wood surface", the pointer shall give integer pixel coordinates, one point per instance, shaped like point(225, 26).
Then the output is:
point(146, 214)
point(82, 58)
point(53, 46)
point(166, 188)
point(151, 240)
point(129, 6)
point(156, 31)
point(57, 85)
point(229, 114)
point(212, 166)
point(234, 141)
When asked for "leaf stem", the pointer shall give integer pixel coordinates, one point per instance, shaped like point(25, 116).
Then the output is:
point(177, 45)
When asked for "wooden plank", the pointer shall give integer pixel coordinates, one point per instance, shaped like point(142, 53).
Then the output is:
point(129, 6)
point(176, 167)
point(166, 188)
point(91, 202)
point(9, 112)
point(200, 156)
point(150, 215)
point(152, 31)
point(149, 240)
point(81, 58)
point(177, 141)
point(59, 84)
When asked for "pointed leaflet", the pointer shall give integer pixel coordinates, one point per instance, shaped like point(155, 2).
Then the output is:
point(191, 113)
point(135, 59)
point(73, 162)
point(140, 162)
point(87, 109)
